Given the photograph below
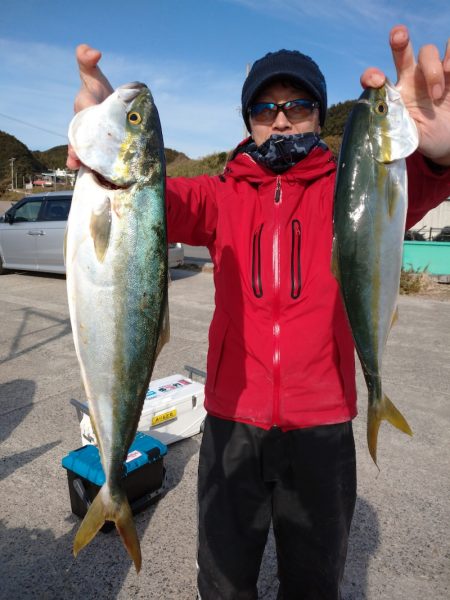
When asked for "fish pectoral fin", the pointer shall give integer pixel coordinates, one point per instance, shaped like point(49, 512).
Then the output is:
point(394, 318)
point(164, 335)
point(386, 411)
point(65, 247)
point(395, 193)
point(100, 228)
point(105, 508)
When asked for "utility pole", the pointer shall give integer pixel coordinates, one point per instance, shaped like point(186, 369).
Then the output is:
point(11, 160)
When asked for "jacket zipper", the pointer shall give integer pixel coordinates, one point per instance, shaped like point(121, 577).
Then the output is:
point(256, 263)
point(296, 279)
point(276, 305)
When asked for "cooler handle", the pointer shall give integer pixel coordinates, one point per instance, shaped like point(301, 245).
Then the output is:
point(193, 370)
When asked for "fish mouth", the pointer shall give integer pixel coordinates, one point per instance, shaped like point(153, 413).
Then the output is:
point(107, 184)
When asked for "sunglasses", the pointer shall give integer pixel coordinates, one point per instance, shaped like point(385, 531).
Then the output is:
point(294, 110)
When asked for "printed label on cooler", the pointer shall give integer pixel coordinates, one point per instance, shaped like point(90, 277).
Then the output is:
point(133, 455)
point(168, 387)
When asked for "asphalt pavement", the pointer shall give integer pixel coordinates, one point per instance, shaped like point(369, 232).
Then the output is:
point(400, 542)
point(196, 253)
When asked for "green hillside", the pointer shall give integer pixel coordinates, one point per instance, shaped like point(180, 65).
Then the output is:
point(333, 130)
point(25, 165)
point(55, 158)
point(208, 165)
point(337, 116)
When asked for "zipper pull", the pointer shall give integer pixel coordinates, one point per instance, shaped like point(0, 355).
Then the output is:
point(278, 190)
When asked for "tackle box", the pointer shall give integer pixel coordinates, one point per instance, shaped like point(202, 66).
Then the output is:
point(173, 409)
point(143, 477)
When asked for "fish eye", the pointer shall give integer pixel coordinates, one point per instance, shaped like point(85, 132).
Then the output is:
point(381, 108)
point(134, 118)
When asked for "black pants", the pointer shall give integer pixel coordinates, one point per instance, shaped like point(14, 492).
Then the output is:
point(304, 481)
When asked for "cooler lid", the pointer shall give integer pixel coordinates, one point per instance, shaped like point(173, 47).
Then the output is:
point(174, 387)
point(86, 462)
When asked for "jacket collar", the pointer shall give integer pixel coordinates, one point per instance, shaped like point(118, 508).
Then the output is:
point(243, 167)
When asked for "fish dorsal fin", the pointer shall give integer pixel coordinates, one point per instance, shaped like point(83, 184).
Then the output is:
point(100, 227)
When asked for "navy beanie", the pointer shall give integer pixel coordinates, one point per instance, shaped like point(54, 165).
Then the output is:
point(288, 64)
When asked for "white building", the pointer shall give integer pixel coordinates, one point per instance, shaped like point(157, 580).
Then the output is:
point(434, 220)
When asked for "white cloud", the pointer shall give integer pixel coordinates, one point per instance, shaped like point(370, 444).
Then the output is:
point(329, 10)
point(360, 13)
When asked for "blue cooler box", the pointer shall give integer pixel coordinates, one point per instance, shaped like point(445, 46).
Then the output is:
point(142, 480)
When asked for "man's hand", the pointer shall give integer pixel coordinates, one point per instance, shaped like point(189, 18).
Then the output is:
point(94, 88)
point(425, 88)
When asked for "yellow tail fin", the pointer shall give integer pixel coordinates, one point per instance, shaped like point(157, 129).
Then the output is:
point(103, 508)
point(384, 411)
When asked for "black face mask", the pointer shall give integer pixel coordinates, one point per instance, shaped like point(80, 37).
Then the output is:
point(280, 152)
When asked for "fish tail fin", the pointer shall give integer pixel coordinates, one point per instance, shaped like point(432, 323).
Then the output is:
point(386, 411)
point(127, 530)
point(105, 508)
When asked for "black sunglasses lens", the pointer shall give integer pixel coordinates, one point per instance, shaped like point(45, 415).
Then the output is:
point(263, 110)
point(295, 110)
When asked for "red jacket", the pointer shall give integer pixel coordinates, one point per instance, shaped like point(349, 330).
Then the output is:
point(280, 348)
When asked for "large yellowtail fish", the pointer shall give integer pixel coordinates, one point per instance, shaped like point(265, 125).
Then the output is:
point(116, 261)
point(369, 222)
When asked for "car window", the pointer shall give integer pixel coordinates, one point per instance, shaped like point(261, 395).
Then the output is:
point(56, 209)
point(28, 211)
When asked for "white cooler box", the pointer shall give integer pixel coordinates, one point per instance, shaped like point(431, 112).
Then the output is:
point(173, 410)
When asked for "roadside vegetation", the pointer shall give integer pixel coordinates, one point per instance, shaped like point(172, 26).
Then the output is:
point(415, 281)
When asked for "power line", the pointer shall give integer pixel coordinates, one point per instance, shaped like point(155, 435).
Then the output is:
point(34, 126)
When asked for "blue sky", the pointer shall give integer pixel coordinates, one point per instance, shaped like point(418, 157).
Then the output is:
point(192, 54)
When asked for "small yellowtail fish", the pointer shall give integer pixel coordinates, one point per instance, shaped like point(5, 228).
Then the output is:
point(370, 207)
point(116, 261)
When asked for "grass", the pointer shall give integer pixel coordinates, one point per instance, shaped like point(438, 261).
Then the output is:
point(12, 196)
point(414, 281)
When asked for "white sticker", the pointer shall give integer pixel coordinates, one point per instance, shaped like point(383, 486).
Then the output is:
point(133, 455)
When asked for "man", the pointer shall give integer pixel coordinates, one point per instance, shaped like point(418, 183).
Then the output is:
point(280, 392)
